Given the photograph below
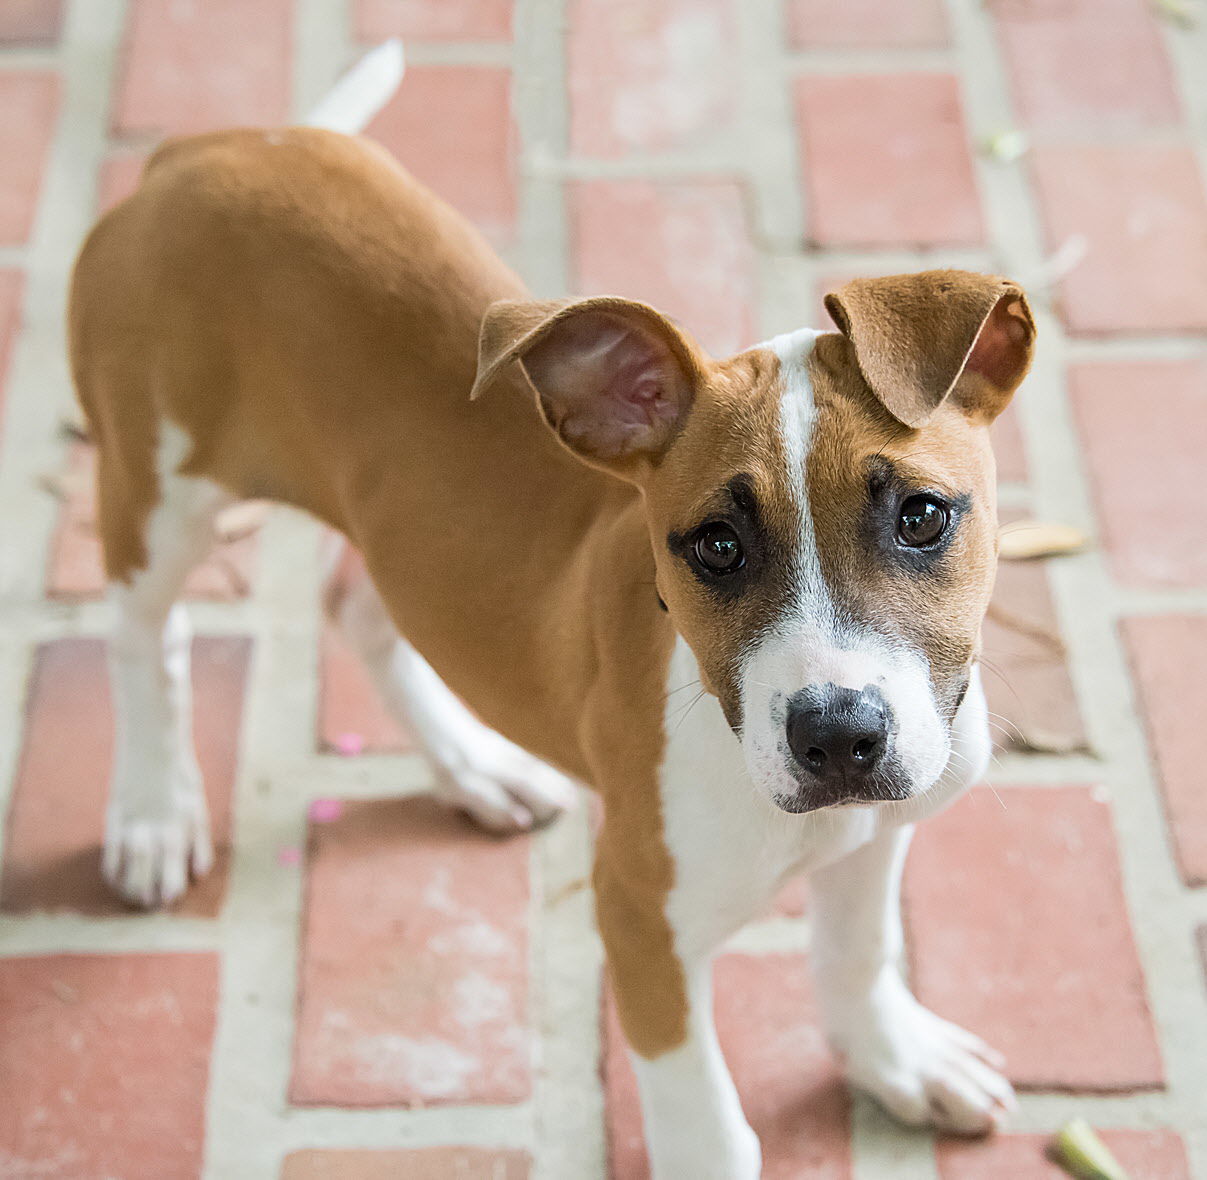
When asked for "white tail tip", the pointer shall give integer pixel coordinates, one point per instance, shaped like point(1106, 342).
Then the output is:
point(362, 91)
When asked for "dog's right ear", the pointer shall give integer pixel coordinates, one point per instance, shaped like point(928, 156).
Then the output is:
point(614, 378)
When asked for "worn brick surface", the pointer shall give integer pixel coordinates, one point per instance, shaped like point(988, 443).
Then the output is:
point(1041, 924)
point(1144, 428)
point(866, 24)
point(434, 20)
point(1167, 654)
point(56, 819)
point(30, 22)
point(352, 719)
point(647, 75)
point(1147, 1155)
point(790, 1088)
point(414, 985)
point(433, 1163)
point(189, 66)
point(77, 565)
point(452, 127)
point(1086, 65)
point(30, 102)
point(683, 246)
point(1025, 664)
point(1141, 210)
point(884, 161)
point(119, 176)
point(12, 286)
point(104, 1063)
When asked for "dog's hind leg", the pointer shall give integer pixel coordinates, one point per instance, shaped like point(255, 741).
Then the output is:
point(498, 784)
point(157, 827)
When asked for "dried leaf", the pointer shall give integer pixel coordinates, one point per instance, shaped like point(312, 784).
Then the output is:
point(1184, 13)
point(1079, 1151)
point(64, 485)
point(1024, 540)
point(1006, 146)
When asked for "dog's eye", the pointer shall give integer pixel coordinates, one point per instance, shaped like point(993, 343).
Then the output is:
point(718, 549)
point(921, 521)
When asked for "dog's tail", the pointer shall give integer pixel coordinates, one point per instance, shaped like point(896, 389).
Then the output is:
point(362, 91)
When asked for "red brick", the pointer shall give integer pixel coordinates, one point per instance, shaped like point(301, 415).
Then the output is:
point(76, 565)
point(121, 171)
point(1153, 1155)
point(30, 22)
point(352, 719)
point(1167, 653)
point(789, 1085)
point(1025, 665)
point(104, 1064)
point(1141, 208)
point(30, 102)
point(432, 1163)
point(885, 161)
point(56, 820)
point(12, 287)
point(866, 24)
point(1144, 425)
point(452, 127)
point(1020, 932)
point(683, 246)
point(194, 66)
point(414, 987)
point(1086, 65)
point(434, 20)
point(649, 75)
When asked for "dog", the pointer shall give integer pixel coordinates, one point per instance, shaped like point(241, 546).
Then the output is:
point(741, 599)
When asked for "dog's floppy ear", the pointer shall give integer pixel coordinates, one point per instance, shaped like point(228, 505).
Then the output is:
point(614, 378)
point(921, 338)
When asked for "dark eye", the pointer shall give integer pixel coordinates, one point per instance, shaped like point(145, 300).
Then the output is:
point(718, 549)
point(921, 521)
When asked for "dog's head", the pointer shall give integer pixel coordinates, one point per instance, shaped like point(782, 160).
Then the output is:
point(821, 507)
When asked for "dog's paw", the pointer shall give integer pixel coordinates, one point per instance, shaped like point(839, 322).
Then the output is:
point(149, 862)
point(924, 1070)
point(503, 788)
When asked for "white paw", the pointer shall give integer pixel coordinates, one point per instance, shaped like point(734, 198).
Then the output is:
point(502, 787)
point(150, 861)
point(922, 1069)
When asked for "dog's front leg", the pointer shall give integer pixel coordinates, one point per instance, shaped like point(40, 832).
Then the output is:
point(694, 1124)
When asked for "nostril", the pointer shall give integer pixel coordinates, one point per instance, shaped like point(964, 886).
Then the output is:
point(864, 750)
point(815, 757)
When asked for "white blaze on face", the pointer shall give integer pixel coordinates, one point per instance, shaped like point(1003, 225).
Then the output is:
point(810, 644)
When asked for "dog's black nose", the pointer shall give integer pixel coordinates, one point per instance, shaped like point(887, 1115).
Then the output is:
point(838, 733)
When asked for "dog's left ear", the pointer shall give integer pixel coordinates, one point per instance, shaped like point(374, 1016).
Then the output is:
point(614, 378)
point(922, 338)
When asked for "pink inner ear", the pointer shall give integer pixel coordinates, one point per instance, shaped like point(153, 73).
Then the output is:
point(609, 384)
point(1000, 350)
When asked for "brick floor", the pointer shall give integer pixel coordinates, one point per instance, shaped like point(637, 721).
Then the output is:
point(1166, 651)
point(30, 101)
point(413, 973)
point(367, 987)
point(1042, 924)
point(682, 246)
point(909, 180)
point(104, 1064)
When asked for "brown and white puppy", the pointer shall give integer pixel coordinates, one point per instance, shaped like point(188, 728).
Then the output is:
point(740, 598)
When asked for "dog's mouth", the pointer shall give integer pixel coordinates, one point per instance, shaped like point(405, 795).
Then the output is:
point(811, 793)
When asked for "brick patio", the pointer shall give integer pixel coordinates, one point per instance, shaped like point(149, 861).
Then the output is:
point(367, 987)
